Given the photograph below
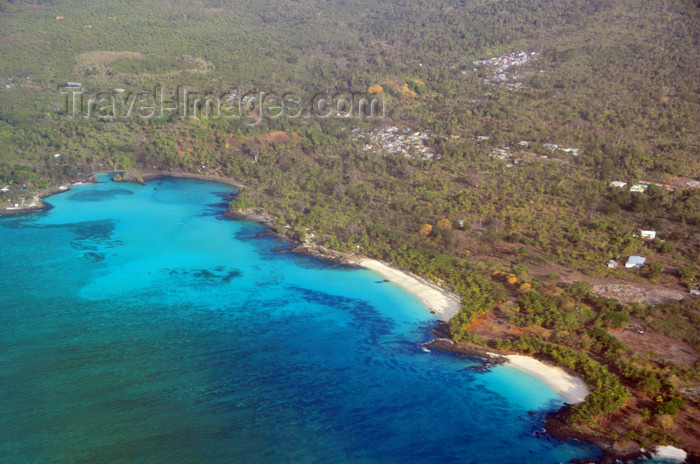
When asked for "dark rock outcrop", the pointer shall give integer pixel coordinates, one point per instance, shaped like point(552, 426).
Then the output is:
point(129, 176)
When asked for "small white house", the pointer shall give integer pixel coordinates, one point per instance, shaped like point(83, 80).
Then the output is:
point(612, 263)
point(639, 188)
point(635, 262)
point(618, 184)
point(56, 155)
point(647, 234)
point(5, 189)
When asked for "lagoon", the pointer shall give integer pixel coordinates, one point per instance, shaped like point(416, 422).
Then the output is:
point(138, 324)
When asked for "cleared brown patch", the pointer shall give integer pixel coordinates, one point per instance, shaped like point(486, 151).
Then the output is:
point(665, 347)
point(496, 326)
point(275, 137)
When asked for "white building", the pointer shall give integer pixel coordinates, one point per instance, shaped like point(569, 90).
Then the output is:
point(618, 184)
point(635, 262)
point(570, 151)
point(647, 234)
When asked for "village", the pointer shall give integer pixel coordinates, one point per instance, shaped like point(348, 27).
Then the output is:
point(392, 140)
point(505, 68)
point(506, 153)
point(527, 150)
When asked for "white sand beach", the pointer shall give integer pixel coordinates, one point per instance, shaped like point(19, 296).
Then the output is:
point(570, 387)
point(442, 302)
point(671, 453)
point(446, 305)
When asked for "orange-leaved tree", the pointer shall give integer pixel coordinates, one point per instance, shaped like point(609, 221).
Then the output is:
point(376, 89)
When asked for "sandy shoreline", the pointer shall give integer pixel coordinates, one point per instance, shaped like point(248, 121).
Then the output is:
point(445, 304)
point(440, 301)
point(569, 386)
point(670, 453)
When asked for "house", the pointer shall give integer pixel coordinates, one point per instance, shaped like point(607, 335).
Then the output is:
point(74, 85)
point(618, 184)
point(639, 188)
point(57, 155)
point(5, 189)
point(695, 290)
point(612, 263)
point(693, 184)
point(635, 262)
point(570, 151)
point(647, 234)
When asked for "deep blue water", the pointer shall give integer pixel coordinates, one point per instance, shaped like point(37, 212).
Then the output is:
point(139, 325)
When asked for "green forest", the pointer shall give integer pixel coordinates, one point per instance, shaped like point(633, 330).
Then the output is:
point(528, 110)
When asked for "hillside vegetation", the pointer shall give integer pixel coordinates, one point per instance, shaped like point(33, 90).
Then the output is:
point(495, 213)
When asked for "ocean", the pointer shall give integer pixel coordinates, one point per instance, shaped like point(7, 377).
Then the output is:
point(140, 325)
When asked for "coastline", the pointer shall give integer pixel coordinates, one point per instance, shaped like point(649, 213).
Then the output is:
point(571, 387)
point(441, 302)
point(670, 453)
point(38, 202)
point(574, 390)
point(39, 205)
point(152, 175)
point(445, 305)
point(568, 385)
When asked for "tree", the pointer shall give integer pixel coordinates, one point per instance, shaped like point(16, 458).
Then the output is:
point(425, 230)
point(670, 406)
point(653, 270)
point(376, 89)
point(444, 224)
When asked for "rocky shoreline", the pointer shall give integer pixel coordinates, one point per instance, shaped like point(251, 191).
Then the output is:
point(443, 341)
point(151, 175)
point(39, 205)
point(556, 426)
point(556, 422)
point(130, 175)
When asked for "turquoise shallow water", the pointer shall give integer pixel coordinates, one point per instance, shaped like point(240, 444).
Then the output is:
point(139, 325)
